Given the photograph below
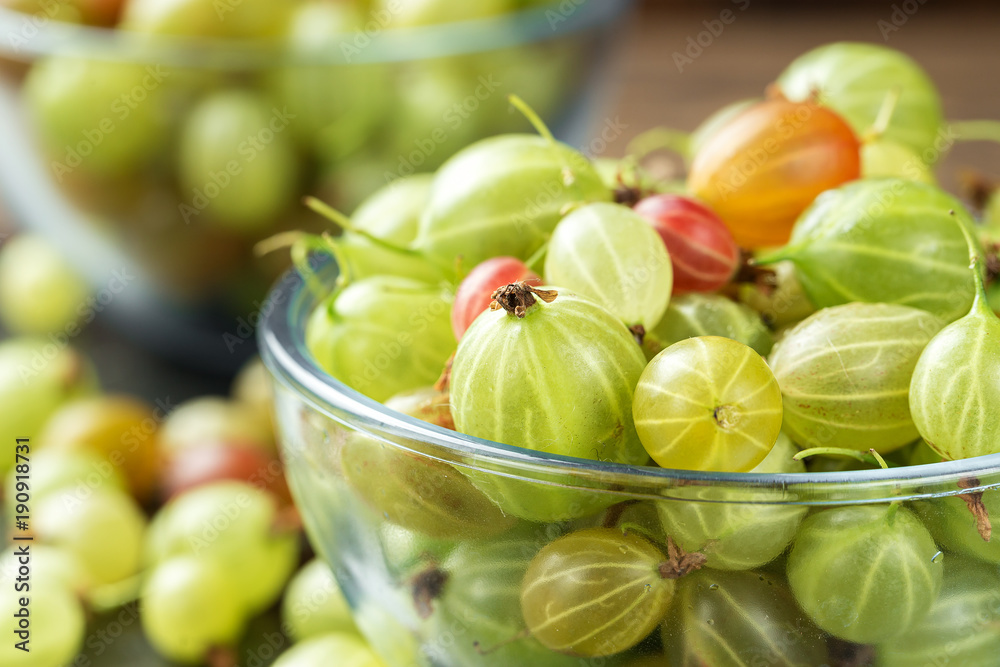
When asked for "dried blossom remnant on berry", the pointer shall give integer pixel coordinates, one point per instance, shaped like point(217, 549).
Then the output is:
point(974, 501)
point(516, 298)
point(679, 562)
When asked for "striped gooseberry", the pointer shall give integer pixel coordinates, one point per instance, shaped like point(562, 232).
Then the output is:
point(961, 625)
point(476, 290)
point(845, 372)
point(383, 335)
point(716, 122)
point(702, 250)
point(610, 254)
point(708, 403)
point(499, 391)
point(504, 196)
point(854, 79)
point(767, 164)
point(955, 393)
point(729, 533)
point(735, 619)
point(691, 315)
point(418, 493)
point(480, 604)
point(596, 592)
point(865, 573)
point(884, 241)
point(267, 179)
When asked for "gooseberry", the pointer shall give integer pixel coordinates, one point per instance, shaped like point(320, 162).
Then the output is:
point(39, 292)
point(499, 392)
point(609, 253)
point(734, 619)
point(884, 241)
point(780, 299)
point(707, 403)
point(767, 164)
point(418, 493)
point(955, 392)
point(702, 250)
point(853, 79)
point(595, 592)
point(962, 524)
point(865, 573)
point(504, 196)
point(884, 158)
point(236, 134)
point(845, 372)
point(313, 604)
point(691, 315)
point(961, 625)
point(383, 335)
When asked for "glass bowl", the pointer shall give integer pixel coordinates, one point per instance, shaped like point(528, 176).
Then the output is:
point(112, 144)
point(425, 530)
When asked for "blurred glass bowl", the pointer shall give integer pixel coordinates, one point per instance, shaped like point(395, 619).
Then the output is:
point(158, 162)
point(431, 556)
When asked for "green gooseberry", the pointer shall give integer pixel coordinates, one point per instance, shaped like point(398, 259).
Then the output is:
point(36, 378)
point(418, 493)
point(781, 301)
point(40, 292)
point(845, 372)
point(428, 122)
point(884, 241)
point(504, 196)
point(962, 524)
point(383, 335)
point(314, 605)
point(694, 314)
point(955, 392)
point(477, 618)
point(596, 592)
point(237, 163)
point(736, 535)
point(103, 118)
point(707, 403)
point(962, 626)
point(609, 253)
point(392, 213)
point(738, 619)
point(865, 573)
point(337, 107)
point(517, 373)
point(854, 79)
point(922, 454)
point(884, 158)
point(53, 470)
point(407, 552)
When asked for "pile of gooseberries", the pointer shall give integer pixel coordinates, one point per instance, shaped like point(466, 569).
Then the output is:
point(167, 527)
point(807, 288)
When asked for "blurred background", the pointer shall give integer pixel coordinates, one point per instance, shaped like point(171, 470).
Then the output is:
point(145, 152)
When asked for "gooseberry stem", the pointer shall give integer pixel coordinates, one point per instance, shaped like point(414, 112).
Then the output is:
point(871, 457)
point(884, 116)
point(302, 245)
point(657, 139)
point(532, 116)
point(342, 221)
point(981, 303)
point(537, 257)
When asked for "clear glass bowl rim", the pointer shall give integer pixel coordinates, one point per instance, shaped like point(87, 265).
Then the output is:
point(281, 339)
point(48, 37)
